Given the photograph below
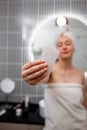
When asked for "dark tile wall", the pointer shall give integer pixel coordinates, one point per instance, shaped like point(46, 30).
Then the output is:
point(14, 50)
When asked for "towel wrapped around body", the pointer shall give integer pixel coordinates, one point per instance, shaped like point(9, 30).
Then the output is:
point(63, 107)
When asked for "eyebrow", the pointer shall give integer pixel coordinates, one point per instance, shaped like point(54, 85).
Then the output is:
point(59, 43)
point(65, 41)
point(68, 40)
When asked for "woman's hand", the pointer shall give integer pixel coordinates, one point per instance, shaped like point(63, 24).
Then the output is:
point(34, 71)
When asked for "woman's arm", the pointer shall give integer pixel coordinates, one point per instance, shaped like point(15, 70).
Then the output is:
point(84, 93)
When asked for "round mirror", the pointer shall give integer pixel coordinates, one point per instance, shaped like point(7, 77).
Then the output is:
point(7, 86)
point(48, 31)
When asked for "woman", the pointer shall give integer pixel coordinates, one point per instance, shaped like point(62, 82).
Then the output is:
point(65, 93)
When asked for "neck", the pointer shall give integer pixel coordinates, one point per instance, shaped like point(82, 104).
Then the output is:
point(65, 64)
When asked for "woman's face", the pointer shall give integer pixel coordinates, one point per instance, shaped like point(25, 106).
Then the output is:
point(65, 46)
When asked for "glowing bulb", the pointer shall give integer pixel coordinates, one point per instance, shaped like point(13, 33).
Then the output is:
point(85, 73)
point(61, 21)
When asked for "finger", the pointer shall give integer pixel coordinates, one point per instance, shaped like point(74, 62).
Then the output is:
point(36, 75)
point(36, 80)
point(34, 69)
point(32, 63)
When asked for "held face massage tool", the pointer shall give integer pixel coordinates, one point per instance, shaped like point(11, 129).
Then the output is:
point(50, 54)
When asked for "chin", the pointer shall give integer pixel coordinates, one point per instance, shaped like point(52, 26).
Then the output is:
point(66, 57)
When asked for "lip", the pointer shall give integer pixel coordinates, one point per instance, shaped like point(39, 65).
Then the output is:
point(65, 52)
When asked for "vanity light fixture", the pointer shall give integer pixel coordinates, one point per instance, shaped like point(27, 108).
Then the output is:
point(61, 21)
point(85, 74)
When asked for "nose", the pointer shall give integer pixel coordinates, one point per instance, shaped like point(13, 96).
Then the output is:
point(64, 46)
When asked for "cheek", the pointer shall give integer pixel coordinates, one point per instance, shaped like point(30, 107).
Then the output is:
point(60, 49)
point(72, 50)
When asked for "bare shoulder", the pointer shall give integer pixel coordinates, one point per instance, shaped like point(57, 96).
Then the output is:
point(80, 75)
point(79, 71)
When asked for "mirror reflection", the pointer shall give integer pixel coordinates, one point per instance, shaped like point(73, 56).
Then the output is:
point(47, 33)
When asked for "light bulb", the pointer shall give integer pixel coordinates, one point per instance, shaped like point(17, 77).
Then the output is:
point(61, 21)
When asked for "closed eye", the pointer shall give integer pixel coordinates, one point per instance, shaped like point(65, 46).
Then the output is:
point(68, 43)
point(59, 44)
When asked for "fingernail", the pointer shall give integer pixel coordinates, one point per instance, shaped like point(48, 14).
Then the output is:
point(45, 69)
point(45, 64)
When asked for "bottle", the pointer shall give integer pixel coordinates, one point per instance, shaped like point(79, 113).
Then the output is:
point(26, 101)
point(25, 107)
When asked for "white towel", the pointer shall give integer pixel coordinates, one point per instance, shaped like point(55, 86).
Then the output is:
point(64, 109)
point(66, 31)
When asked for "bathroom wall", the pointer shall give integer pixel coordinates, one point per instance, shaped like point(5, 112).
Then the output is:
point(14, 16)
